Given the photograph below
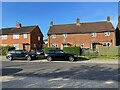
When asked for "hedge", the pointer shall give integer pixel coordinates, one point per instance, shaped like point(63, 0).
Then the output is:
point(75, 50)
point(109, 51)
point(4, 49)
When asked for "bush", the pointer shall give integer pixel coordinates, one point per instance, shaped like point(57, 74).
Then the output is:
point(46, 49)
point(75, 50)
point(4, 49)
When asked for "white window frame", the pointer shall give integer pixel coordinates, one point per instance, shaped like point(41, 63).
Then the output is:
point(4, 44)
point(38, 38)
point(16, 46)
point(54, 36)
point(82, 45)
point(64, 35)
point(24, 35)
point(107, 33)
point(106, 43)
point(4, 37)
point(94, 34)
point(15, 36)
point(55, 45)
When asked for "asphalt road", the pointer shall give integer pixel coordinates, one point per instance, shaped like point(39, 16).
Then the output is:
point(58, 75)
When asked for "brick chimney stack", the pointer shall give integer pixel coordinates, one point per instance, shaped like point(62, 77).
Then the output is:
point(18, 25)
point(51, 23)
point(118, 21)
point(108, 18)
point(78, 21)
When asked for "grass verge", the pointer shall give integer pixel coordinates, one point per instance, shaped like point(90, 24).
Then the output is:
point(101, 57)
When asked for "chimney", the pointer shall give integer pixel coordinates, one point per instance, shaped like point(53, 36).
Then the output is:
point(51, 23)
point(118, 21)
point(18, 25)
point(108, 19)
point(78, 21)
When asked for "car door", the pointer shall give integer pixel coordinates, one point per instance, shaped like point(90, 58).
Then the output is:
point(17, 54)
point(59, 54)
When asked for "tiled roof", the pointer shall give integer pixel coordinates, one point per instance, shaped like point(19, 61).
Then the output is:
point(24, 29)
point(82, 28)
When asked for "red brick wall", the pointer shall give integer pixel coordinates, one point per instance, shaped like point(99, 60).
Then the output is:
point(78, 39)
point(34, 38)
point(10, 41)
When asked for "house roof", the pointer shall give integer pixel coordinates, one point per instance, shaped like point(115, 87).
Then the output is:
point(23, 29)
point(82, 28)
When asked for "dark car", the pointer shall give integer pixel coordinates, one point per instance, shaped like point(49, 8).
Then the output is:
point(40, 52)
point(21, 54)
point(60, 54)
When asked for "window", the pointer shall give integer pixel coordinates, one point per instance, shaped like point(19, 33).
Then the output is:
point(54, 36)
point(82, 45)
point(34, 45)
point(24, 35)
point(64, 35)
point(15, 36)
point(16, 46)
point(93, 34)
point(54, 45)
point(106, 44)
point(107, 33)
point(4, 44)
point(4, 37)
point(38, 38)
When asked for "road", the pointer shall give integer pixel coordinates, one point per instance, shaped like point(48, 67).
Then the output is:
point(20, 74)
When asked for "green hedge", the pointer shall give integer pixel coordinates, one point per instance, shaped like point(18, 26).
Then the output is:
point(4, 49)
point(75, 50)
point(109, 51)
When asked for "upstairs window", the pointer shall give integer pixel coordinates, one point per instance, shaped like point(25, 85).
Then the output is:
point(38, 38)
point(4, 37)
point(93, 34)
point(64, 35)
point(24, 35)
point(15, 36)
point(54, 36)
point(107, 33)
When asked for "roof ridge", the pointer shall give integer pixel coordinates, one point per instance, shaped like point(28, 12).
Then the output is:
point(21, 27)
point(81, 23)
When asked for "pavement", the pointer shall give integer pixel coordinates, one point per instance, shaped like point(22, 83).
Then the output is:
point(3, 58)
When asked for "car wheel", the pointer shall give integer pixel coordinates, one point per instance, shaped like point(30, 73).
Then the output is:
point(28, 58)
point(71, 59)
point(49, 58)
point(10, 58)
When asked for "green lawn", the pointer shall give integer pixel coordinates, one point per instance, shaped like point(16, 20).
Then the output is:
point(101, 57)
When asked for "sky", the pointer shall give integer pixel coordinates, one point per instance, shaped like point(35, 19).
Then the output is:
point(41, 13)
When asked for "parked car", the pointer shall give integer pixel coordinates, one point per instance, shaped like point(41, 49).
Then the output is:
point(40, 52)
point(21, 54)
point(60, 54)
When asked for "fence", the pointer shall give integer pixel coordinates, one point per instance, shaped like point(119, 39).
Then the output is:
point(109, 51)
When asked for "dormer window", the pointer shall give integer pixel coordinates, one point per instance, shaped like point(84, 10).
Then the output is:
point(54, 36)
point(93, 34)
point(64, 35)
point(107, 33)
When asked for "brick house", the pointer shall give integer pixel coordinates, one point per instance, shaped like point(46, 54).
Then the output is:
point(118, 32)
point(86, 35)
point(22, 37)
